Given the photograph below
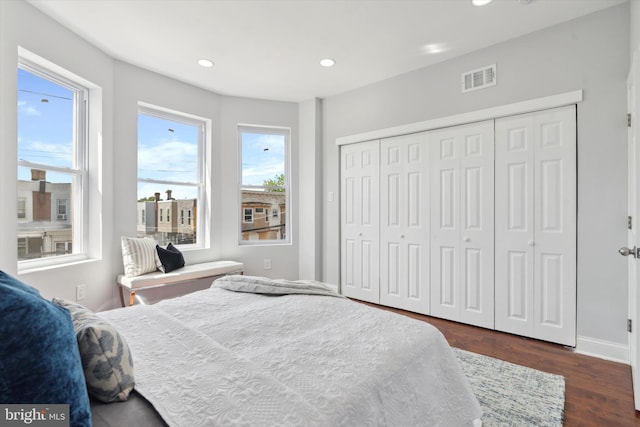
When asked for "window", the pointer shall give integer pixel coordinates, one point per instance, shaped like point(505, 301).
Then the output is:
point(171, 162)
point(248, 215)
point(62, 209)
point(22, 247)
point(63, 247)
point(22, 208)
point(264, 160)
point(52, 163)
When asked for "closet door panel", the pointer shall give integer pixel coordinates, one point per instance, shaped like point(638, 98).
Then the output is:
point(514, 224)
point(462, 223)
point(477, 225)
point(536, 225)
point(360, 221)
point(445, 223)
point(404, 231)
point(555, 226)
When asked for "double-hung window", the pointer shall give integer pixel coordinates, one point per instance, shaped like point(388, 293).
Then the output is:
point(52, 163)
point(264, 184)
point(171, 164)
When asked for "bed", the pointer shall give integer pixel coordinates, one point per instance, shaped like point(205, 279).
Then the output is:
point(265, 352)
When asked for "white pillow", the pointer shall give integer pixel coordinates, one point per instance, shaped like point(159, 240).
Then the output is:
point(139, 256)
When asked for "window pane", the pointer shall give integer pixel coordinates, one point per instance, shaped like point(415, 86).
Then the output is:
point(48, 215)
point(257, 225)
point(263, 159)
point(160, 218)
point(168, 150)
point(45, 121)
point(49, 117)
point(264, 187)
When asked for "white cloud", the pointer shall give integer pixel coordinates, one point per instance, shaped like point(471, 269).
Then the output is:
point(25, 108)
point(60, 154)
point(169, 160)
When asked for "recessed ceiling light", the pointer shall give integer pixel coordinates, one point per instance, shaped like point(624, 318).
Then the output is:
point(327, 62)
point(434, 48)
point(205, 63)
point(480, 2)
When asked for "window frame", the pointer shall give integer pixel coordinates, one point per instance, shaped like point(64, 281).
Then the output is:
point(83, 97)
point(266, 130)
point(203, 187)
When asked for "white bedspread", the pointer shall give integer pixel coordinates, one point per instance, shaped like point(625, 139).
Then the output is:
point(221, 358)
point(264, 285)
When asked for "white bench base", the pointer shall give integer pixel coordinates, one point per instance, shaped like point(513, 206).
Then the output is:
point(188, 272)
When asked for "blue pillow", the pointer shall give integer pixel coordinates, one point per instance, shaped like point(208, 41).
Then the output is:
point(171, 258)
point(39, 357)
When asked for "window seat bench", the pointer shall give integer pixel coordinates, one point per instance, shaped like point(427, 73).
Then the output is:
point(188, 272)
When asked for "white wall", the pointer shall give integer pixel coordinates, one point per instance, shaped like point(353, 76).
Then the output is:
point(133, 84)
point(123, 86)
point(590, 53)
point(309, 183)
point(284, 258)
point(634, 33)
point(22, 25)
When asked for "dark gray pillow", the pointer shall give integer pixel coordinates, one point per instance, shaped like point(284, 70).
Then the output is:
point(106, 358)
point(171, 258)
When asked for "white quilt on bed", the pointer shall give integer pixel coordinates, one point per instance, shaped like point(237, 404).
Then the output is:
point(220, 358)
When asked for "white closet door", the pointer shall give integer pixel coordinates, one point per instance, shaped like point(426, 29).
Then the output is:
point(404, 220)
point(536, 225)
point(360, 166)
point(462, 233)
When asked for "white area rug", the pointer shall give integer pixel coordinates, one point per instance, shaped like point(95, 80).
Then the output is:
point(513, 395)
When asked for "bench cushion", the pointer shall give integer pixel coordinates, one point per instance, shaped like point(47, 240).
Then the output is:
point(188, 272)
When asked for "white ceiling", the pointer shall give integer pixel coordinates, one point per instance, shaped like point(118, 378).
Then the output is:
point(271, 48)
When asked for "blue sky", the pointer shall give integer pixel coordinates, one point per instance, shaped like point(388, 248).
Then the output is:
point(263, 157)
point(44, 128)
point(167, 150)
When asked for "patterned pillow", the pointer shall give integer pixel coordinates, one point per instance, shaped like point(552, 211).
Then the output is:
point(39, 358)
point(171, 257)
point(139, 256)
point(106, 359)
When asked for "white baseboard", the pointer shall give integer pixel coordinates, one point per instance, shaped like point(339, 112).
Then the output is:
point(603, 349)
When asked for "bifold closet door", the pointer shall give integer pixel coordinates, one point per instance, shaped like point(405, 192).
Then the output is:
point(536, 225)
point(462, 221)
point(404, 222)
point(359, 205)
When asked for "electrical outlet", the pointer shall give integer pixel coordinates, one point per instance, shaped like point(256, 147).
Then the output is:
point(267, 264)
point(81, 292)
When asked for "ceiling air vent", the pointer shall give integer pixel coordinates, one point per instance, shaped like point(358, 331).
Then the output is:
point(479, 79)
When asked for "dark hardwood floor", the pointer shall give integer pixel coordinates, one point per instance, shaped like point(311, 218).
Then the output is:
point(598, 392)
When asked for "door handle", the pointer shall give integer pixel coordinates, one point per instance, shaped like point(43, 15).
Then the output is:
point(624, 251)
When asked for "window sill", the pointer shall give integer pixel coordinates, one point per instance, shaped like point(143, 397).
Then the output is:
point(32, 266)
